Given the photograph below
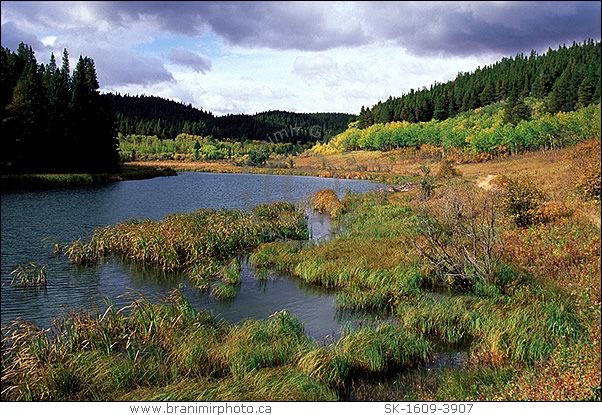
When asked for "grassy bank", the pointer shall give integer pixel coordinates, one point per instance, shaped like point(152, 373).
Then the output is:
point(201, 244)
point(57, 180)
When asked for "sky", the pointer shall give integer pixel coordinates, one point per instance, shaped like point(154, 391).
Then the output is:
point(248, 57)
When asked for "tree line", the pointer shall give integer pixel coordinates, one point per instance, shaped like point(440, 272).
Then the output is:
point(567, 79)
point(475, 135)
point(54, 120)
point(166, 119)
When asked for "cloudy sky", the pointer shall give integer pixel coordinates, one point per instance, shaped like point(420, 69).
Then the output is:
point(246, 57)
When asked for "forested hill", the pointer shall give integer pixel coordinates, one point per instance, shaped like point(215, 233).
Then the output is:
point(149, 115)
point(567, 78)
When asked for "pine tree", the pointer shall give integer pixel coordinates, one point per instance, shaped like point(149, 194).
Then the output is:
point(585, 93)
point(560, 98)
point(26, 115)
point(94, 138)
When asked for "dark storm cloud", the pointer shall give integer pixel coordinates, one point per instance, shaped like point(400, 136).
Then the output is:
point(303, 26)
point(117, 68)
point(271, 24)
point(424, 28)
point(11, 37)
point(475, 28)
point(196, 62)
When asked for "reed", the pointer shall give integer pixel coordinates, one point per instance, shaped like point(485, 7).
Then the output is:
point(32, 275)
point(199, 243)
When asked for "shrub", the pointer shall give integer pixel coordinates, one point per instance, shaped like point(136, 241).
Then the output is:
point(552, 211)
point(586, 167)
point(427, 184)
point(522, 200)
point(446, 169)
point(459, 238)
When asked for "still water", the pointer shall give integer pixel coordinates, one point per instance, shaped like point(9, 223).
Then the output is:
point(33, 220)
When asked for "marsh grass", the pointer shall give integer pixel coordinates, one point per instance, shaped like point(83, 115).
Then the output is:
point(270, 384)
point(199, 243)
point(231, 272)
point(225, 292)
point(327, 202)
point(32, 275)
point(157, 350)
point(169, 351)
point(484, 383)
point(524, 328)
point(325, 365)
point(258, 344)
point(382, 348)
point(532, 323)
point(533, 291)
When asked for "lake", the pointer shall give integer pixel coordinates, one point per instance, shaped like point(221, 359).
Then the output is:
point(33, 220)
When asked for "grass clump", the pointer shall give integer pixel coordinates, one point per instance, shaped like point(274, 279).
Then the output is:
point(231, 272)
point(199, 243)
point(325, 365)
point(225, 292)
point(32, 275)
point(523, 329)
point(326, 202)
point(383, 348)
point(257, 344)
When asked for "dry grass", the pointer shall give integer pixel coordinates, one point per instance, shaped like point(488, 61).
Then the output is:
point(326, 201)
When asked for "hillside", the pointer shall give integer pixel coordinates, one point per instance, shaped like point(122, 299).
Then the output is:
point(567, 78)
point(149, 115)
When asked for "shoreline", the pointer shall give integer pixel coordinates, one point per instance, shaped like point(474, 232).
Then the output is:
point(40, 181)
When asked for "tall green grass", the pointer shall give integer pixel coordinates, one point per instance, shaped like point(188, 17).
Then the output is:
point(525, 328)
point(170, 351)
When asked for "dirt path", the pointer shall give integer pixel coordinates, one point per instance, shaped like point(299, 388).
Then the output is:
point(486, 182)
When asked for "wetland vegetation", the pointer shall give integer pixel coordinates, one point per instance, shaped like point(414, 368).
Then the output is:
point(457, 269)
